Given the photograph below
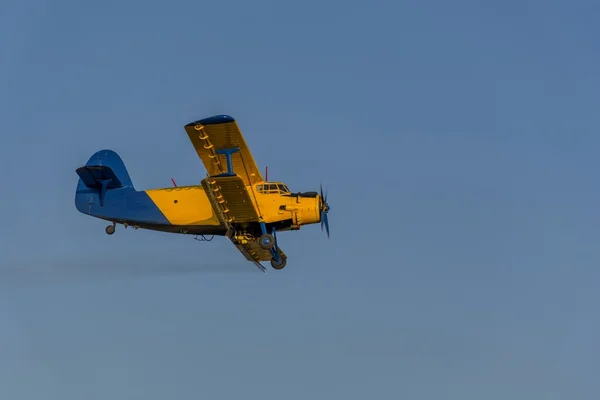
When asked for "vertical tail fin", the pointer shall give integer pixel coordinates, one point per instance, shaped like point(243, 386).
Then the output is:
point(104, 171)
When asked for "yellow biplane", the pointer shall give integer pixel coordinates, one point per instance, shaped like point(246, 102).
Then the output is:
point(234, 200)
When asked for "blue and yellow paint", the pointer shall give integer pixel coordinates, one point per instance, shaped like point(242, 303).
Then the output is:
point(105, 191)
point(250, 208)
point(239, 192)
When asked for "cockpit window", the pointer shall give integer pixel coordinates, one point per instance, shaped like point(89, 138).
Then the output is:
point(271, 188)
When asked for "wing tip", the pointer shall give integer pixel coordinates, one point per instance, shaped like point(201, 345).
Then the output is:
point(214, 120)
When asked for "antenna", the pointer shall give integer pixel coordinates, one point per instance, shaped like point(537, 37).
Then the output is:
point(267, 173)
point(173, 180)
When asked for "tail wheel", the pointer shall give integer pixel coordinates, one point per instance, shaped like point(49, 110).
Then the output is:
point(266, 241)
point(279, 264)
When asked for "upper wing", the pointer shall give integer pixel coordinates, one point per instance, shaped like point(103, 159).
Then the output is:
point(222, 132)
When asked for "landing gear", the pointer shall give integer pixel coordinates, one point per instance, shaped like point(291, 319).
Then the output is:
point(110, 229)
point(279, 264)
point(266, 241)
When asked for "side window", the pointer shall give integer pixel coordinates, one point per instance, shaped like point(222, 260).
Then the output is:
point(259, 188)
point(273, 187)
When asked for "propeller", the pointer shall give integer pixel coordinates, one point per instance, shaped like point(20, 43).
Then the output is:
point(324, 211)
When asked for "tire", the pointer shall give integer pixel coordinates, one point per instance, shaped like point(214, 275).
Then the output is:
point(279, 264)
point(266, 241)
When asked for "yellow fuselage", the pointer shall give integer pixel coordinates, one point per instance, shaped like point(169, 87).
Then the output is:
point(190, 206)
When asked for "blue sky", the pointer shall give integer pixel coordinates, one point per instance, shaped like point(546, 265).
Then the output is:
point(459, 144)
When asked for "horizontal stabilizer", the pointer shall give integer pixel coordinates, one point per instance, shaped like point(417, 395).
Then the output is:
point(99, 176)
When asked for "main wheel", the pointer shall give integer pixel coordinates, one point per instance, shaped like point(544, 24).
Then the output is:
point(110, 229)
point(279, 264)
point(266, 241)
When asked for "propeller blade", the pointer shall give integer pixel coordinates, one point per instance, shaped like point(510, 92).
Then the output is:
point(323, 196)
point(324, 210)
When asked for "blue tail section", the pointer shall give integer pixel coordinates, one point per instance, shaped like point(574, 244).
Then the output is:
point(106, 191)
point(102, 165)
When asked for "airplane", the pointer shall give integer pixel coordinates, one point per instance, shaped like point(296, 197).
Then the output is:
point(233, 200)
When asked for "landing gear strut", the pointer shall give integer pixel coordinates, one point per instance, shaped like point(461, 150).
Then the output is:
point(268, 241)
point(110, 229)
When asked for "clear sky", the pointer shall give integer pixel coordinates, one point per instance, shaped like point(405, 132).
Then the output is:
point(459, 142)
